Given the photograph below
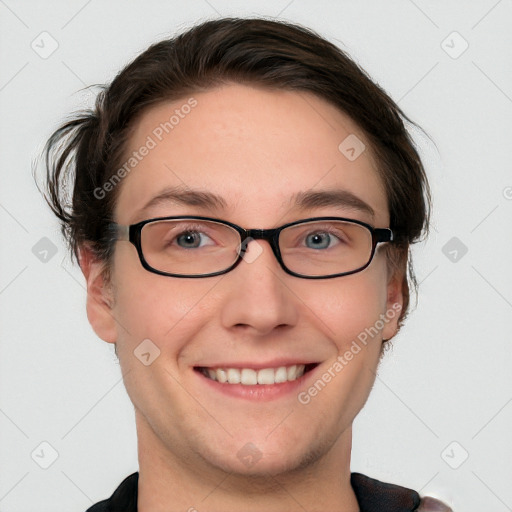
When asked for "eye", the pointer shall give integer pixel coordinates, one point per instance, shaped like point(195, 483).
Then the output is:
point(191, 239)
point(184, 235)
point(321, 240)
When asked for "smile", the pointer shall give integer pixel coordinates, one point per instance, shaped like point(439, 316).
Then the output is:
point(252, 377)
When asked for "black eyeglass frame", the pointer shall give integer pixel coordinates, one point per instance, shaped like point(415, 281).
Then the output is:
point(132, 234)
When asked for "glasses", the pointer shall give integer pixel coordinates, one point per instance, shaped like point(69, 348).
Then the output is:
point(315, 248)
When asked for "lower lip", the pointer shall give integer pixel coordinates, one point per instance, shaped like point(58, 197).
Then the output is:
point(258, 392)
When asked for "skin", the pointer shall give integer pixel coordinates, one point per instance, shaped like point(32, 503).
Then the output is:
point(255, 148)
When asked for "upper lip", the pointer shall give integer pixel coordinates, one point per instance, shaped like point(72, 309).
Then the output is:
point(259, 366)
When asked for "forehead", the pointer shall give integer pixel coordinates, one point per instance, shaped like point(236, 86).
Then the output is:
point(256, 148)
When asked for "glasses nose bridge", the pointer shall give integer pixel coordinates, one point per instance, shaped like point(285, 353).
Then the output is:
point(270, 235)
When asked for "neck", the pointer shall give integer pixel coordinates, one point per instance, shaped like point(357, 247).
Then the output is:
point(183, 481)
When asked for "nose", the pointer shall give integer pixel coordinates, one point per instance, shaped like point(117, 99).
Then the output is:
point(257, 297)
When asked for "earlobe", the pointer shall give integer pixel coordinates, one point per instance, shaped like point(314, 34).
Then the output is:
point(99, 295)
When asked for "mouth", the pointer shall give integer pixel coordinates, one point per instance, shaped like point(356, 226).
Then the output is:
point(256, 377)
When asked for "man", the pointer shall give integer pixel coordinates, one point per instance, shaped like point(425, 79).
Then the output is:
point(242, 217)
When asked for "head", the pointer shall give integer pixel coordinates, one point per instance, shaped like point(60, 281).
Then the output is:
point(253, 112)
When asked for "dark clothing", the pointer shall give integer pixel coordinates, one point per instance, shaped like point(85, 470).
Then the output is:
point(372, 496)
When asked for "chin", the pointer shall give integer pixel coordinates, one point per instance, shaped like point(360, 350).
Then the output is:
point(264, 459)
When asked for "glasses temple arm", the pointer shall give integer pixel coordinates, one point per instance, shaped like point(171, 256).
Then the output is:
point(119, 232)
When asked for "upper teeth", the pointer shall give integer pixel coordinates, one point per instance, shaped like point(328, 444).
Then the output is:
point(250, 377)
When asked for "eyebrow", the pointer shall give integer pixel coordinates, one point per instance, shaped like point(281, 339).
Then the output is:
point(187, 197)
point(337, 198)
point(309, 200)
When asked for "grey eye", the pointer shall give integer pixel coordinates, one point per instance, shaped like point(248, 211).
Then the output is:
point(189, 240)
point(318, 240)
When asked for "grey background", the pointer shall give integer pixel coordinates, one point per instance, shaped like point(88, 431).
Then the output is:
point(445, 389)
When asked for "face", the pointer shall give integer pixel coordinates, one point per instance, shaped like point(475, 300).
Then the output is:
point(257, 150)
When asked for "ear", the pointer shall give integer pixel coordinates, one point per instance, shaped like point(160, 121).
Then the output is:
point(99, 295)
point(394, 304)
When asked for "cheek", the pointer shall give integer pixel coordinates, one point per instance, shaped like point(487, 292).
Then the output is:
point(348, 306)
point(349, 314)
point(166, 311)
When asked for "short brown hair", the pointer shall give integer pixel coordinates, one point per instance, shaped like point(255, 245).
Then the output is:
point(85, 152)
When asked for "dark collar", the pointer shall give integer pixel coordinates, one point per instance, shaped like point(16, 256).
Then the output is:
point(372, 496)
point(376, 496)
